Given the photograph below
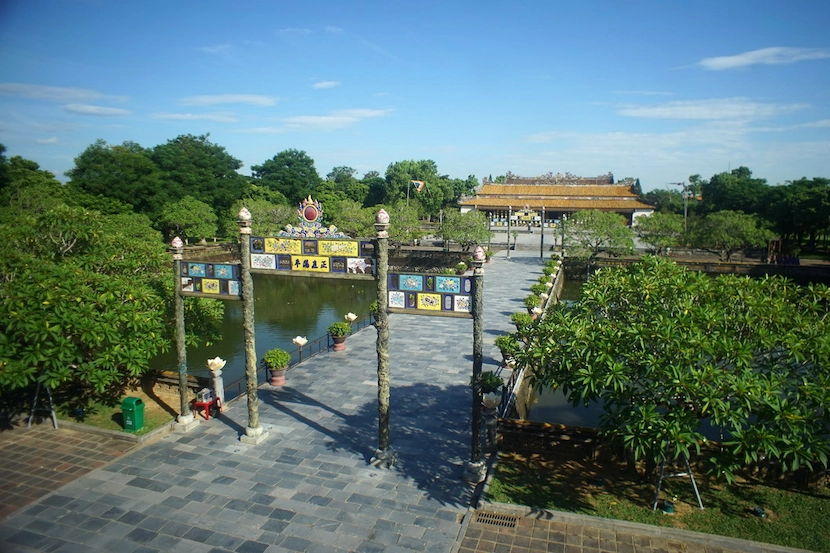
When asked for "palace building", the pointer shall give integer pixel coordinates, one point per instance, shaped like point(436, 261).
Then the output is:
point(544, 200)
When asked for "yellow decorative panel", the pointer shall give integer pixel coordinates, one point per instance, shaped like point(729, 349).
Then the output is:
point(431, 302)
point(310, 263)
point(210, 285)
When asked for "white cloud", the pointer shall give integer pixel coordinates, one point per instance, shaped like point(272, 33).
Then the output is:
point(822, 124)
point(47, 141)
point(292, 31)
point(335, 120)
point(334, 29)
point(325, 84)
point(98, 111)
point(764, 56)
point(53, 93)
point(214, 99)
point(218, 49)
point(217, 116)
point(717, 109)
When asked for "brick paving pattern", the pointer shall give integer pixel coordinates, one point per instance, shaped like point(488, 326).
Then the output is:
point(39, 460)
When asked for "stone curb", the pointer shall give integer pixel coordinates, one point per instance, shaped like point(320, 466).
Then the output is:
point(125, 436)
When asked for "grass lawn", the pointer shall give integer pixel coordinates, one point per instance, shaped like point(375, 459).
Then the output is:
point(157, 413)
point(567, 482)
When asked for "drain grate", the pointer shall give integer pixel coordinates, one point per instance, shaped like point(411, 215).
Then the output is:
point(495, 519)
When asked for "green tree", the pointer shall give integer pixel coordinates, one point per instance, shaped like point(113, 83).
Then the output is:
point(125, 173)
point(376, 188)
point(86, 298)
point(660, 231)
point(188, 219)
point(662, 349)
point(29, 188)
point(734, 191)
point(290, 172)
point(592, 232)
point(726, 232)
point(267, 218)
point(195, 166)
point(664, 201)
point(800, 210)
point(468, 229)
point(404, 223)
point(352, 219)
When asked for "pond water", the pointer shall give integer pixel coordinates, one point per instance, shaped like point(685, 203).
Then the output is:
point(284, 307)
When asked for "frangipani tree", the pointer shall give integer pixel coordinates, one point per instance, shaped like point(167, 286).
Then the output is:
point(663, 349)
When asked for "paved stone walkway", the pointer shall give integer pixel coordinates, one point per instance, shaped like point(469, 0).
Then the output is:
point(309, 486)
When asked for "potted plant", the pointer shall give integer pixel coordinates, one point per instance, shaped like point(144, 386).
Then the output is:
point(488, 254)
point(508, 346)
point(338, 332)
point(538, 288)
point(531, 302)
point(490, 382)
point(460, 268)
point(276, 360)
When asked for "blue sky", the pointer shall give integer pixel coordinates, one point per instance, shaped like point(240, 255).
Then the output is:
point(655, 90)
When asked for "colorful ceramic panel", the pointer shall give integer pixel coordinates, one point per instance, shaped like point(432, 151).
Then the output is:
point(234, 288)
point(223, 271)
point(411, 282)
point(342, 248)
point(263, 261)
point(449, 285)
point(187, 284)
point(397, 300)
point(360, 265)
point(282, 245)
point(196, 269)
point(462, 304)
point(210, 285)
point(430, 302)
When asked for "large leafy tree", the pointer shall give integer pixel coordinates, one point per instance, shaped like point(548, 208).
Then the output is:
point(592, 232)
point(660, 231)
point(85, 299)
point(29, 188)
point(800, 209)
point(468, 229)
point(267, 218)
point(726, 232)
point(663, 349)
point(195, 166)
point(290, 172)
point(734, 191)
point(125, 173)
point(188, 219)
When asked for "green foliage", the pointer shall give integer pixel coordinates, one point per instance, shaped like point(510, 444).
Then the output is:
point(660, 231)
point(404, 224)
point(267, 218)
point(507, 344)
point(30, 189)
point(276, 358)
point(734, 191)
point(124, 173)
point(521, 320)
point(290, 172)
point(86, 299)
point(352, 219)
point(727, 232)
point(468, 229)
point(490, 382)
point(339, 328)
point(662, 348)
point(188, 219)
point(460, 267)
point(532, 301)
point(589, 233)
point(539, 288)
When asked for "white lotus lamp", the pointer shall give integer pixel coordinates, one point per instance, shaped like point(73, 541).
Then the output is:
point(300, 341)
point(351, 317)
point(216, 364)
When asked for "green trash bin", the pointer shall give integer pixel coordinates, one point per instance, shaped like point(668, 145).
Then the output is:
point(133, 409)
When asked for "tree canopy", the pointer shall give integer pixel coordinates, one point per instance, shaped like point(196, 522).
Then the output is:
point(663, 349)
point(591, 232)
point(290, 172)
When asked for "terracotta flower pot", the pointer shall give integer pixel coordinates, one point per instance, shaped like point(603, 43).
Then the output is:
point(277, 377)
point(339, 343)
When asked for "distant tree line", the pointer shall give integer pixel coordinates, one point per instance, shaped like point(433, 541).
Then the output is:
point(750, 211)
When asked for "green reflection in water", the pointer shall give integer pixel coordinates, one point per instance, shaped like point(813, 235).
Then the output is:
point(284, 307)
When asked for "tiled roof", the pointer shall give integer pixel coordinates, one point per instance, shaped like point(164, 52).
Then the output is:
point(566, 204)
point(564, 190)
